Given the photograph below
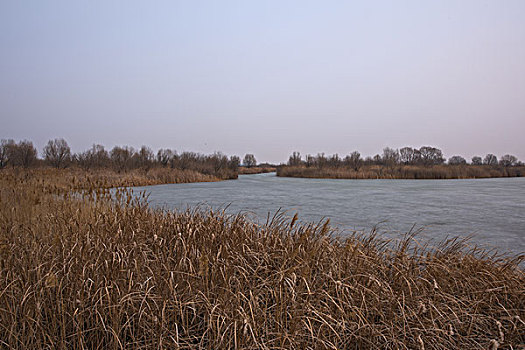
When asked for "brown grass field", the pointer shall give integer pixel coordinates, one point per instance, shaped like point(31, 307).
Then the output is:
point(82, 267)
point(79, 179)
point(411, 172)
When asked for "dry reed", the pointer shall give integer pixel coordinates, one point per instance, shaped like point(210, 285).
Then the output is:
point(255, 170)
point(102, 270)
point(412, 172)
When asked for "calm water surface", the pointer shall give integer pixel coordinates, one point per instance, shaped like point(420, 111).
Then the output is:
point(492, 210)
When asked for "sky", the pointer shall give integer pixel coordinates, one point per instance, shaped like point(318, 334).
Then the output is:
point(266, 77)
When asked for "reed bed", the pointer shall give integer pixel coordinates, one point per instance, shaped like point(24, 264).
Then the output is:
point(95, 269)
point(74, 179)
point(255, 170)
point(412, 172)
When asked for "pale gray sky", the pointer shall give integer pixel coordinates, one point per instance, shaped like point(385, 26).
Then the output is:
point(266, 77)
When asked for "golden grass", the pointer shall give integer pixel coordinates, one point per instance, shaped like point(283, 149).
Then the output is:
point(79, 179)
point(402, 172)
point(95, 270)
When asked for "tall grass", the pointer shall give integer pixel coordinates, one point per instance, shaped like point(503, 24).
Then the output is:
point(402, 172)
point(97, 270)
point(255, 170)
point(52, 179)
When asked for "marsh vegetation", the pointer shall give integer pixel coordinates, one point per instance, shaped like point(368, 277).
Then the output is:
point(84, 267)
point(406, 163)
point(262, 169)
point(122, 165)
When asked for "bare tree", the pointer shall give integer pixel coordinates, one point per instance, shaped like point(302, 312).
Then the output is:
point(354, 160)
point(185, 160)
point(295, 159)
point(121, 157)
point(96, 157)
point(390, 156)
point(368, 160)
point(83, 160)
point(457, 160)
point(321, 160)
point(144, 157)
point(218, 161)
point(249, 160)
point(508, 160)
point(476, 160)
point(100, 155)
point(164, 156)
point(6, 147)
point(409, 155)
point(490, 159)
point(57, 153)
point(234, 162)
point(431, 155)
point(334, 161)
point(21, 154)
point(309, 161)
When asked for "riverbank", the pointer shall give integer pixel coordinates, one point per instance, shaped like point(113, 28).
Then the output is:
point(256, 170)
point(410, 172)
point(106, 273)
point(80, 179)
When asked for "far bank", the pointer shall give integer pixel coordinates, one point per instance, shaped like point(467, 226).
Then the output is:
point(409, 172)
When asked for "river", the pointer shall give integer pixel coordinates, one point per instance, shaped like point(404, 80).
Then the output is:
point(492, 211)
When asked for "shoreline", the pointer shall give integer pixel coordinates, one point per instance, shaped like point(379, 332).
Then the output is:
point(441, 172)
point(255, 170)
point(80, 179)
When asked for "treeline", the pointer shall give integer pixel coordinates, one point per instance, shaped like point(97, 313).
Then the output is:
point(426, 156)
point(406, 163)
point(57, 153)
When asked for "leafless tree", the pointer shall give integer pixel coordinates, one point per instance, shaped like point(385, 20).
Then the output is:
point(6, 147)
point(354, 160)
point(295, 159)
point(490, 159)
point(334, 161)
point(476, 160)
point(96, 157)
point(508, 160)
point(185, 160)
point(431, 155)
point(144, 157)
point(164, 156)
point(457, 160)
point(86, 159)
point(121, 157)
point(249, 160)
point(100, 155)
point(320, 160)
point(390, 156)
point(409, 155)
point(368, 160)
point(309, 161)
point(57, 153)
point(21, 154)
point(234, 162)
point(218, 161)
